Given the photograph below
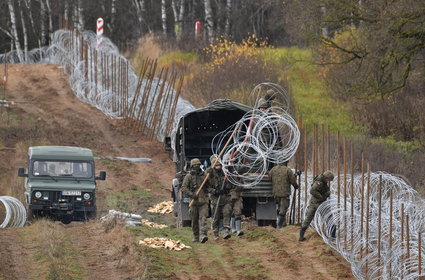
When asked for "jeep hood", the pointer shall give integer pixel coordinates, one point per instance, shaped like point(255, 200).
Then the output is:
point(62, 185)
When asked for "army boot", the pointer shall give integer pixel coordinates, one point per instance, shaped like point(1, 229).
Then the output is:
point(204, 238)
point(280, 221)
point(221, 226)
point(302, 231)
point(195, 239)
point(227, 234)
point(233, 225)
point(238, 226)
point(215, 235)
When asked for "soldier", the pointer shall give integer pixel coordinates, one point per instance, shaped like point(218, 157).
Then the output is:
point(266, 102)
point(236, 205)
point(320, 191)
point(199, 209)
point(219, 188)
point(282, 179)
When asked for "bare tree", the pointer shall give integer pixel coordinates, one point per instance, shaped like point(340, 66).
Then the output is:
point(49, 16)
point(24, 30)
point(175, 10)
point(228, 17)
point(31, 18)
point(14, 29)
point(65, 13)
point(80, 11)
point(141, 13)
point(43, 14)
point(164, 16)
point(182, 14)
point(113, 15)
point(209, 20)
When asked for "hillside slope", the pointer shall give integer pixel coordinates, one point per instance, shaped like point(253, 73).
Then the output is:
point(51, 115)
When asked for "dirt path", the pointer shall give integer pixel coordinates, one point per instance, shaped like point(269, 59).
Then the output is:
point(14, 252)
point(53, 116)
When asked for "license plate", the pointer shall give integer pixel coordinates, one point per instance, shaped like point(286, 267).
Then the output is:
point(73, 193)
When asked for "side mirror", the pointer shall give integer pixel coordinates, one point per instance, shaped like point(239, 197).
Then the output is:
point(21, 172)
point(167, 144)
point(102, 176)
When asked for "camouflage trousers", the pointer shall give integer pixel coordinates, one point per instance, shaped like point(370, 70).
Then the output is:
point(282, 205)
point(311, 211)
point(236, 205)
point(199, 214)
point(219, 212)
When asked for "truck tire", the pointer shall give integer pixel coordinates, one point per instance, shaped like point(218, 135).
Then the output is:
point(67, 219)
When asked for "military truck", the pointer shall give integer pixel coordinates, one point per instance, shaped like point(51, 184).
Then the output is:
point(60, 183)
point(192, 138)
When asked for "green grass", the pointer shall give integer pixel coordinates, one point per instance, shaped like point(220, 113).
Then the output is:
point(129, 200)
point(178, 58)
point(116, 165)
point(308, 90)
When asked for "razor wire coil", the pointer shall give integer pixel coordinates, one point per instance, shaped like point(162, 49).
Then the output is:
point(16, 214)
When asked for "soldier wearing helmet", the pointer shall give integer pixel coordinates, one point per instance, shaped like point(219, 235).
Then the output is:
point(265, 102)
point(282, 179)
point(320, 191)
point(199, 209)
point(219, 188)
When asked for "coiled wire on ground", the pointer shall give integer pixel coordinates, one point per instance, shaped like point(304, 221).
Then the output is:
point(16, 214)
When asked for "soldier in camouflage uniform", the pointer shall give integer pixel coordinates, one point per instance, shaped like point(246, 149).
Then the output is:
point(266, 102)
point(219, 188)
point(282, 179)
point(320, 191)
point(236, 204)
point(199, 209)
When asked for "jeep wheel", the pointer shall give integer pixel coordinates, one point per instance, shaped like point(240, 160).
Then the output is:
point(66, 219)
point(31, 214)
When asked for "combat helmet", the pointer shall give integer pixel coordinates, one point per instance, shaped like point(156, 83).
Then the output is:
point(195, 161)
point(213, 158)
point(262, 103)
point(328, 175)
point(270, 95)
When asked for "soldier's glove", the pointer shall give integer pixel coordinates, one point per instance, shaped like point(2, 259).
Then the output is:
point(299, 172)
point(296, 187)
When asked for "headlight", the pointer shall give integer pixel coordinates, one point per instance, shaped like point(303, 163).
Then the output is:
point(37, 194)
point(86, 196)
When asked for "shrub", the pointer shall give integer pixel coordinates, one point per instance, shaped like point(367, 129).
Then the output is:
point(231, 71)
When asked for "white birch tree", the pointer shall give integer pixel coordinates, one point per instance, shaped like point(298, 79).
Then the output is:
point(80, 11)
point(182, 14)
point(49, 16)
point(15, 30)
point(228, 17)
point(65, 13)
point(42, 23)
point(141, 13)
point(24, 31)
point(209, 20)
point(164, 16)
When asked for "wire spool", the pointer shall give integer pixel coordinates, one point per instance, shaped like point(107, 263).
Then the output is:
point(15, 212)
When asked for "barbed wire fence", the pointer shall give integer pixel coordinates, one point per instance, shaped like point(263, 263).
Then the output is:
point(149, 103)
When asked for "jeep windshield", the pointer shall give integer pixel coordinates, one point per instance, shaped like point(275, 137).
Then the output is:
point(76, 169)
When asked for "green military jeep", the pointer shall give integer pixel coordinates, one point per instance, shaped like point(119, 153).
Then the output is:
point(61, 183)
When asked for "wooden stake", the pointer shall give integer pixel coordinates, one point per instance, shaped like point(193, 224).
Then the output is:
point(420, 256)
point(362, 207)
point(367, 215)
point(379, 219)
point(323, 150)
